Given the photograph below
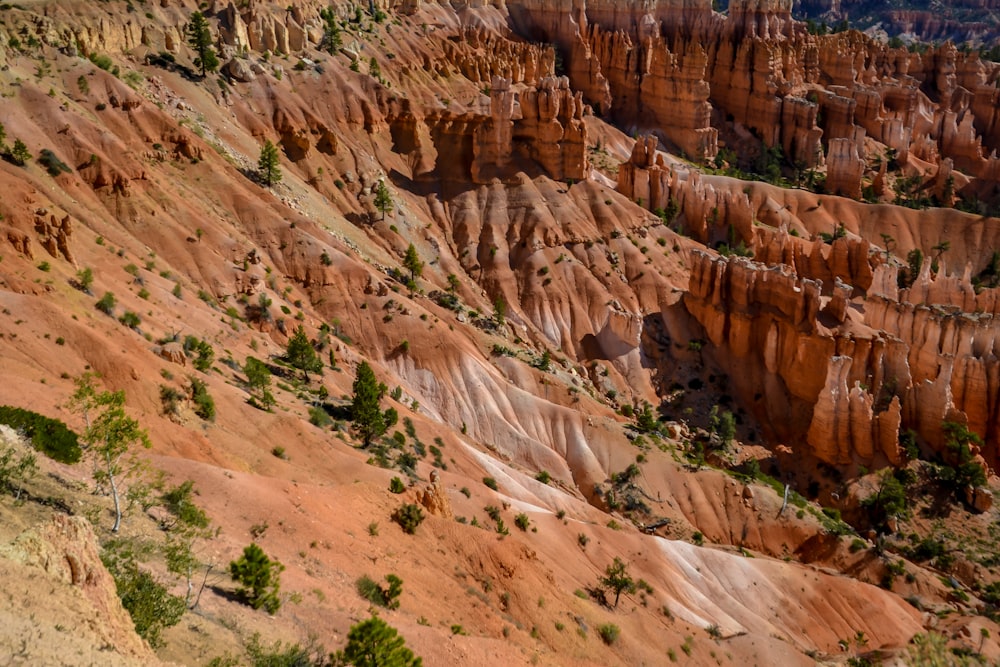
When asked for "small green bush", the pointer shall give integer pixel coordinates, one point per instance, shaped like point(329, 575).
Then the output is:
point(408, 516)
point(319, 417)
point(396, 485)
point(522, 521)
point(106, 304)
point(204, 404)
point(609, 633)
point(490, 482)
point(387, 597)
point(130, 319)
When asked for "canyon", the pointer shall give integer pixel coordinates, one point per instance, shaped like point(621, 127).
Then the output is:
point(635, 222)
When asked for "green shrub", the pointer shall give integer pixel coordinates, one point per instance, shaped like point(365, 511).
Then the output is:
point(49, 436)
point(204, 404)
point(279, 655)
point(609, 633)
point(374, 642)
point(387, 597)
point(130, 319)
point(178, 502)
point(319, 417)
point(106, 304)
point(396, 485)
point(101, 60)
point(147, 601)
point(408, 516)
point(258, 577)
point(490, 482)
point(544, 477)
point(522, 521)
point(52, 163)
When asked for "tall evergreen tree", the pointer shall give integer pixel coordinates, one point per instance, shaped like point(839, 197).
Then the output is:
point(268, 164)
point(200, 39)
point(412, 263)
point(366, 410)
point(332, 40)
point(301, 354)
point(383, 200)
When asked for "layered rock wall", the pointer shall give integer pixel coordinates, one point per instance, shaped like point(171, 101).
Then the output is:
point(846, 384)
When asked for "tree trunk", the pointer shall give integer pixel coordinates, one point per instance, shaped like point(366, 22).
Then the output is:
point(208, 568)
point(114, 496)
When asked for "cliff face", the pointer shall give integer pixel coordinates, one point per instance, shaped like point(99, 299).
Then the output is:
point(845, 375)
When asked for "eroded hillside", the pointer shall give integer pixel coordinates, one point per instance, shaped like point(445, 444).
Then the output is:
point(620, 340)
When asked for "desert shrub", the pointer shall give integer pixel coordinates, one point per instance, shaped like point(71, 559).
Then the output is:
point(49, 436)
point(408, 516)
point(101, 60)
point(170, 399)
point(52, 163)
point(204, 404)
point(522, 521)
point(282, 655)
point(396, 485)
point(490, 482)
point(178, 502)
point(609, 633)
point(258, 578)
point(383, 596)
point(544, 477)
point(319, 417)
point(106, 304)
point(147, 601)
point(130, 319)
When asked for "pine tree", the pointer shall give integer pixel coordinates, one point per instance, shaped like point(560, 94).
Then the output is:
point(259, 381)
point(616, 578)
point(375, 643)
point(200, 39)
point(20, 153)
point(301, 354)
point(383, 200)
point(258, 577)
point(268, 164)
point(332, 40)
point(500, 311)
point(412, 263)
point(366, 412)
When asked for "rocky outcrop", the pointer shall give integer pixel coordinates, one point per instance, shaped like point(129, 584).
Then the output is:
point(842, 383)
point(54, 234)
point(536, 129)
point(64, 554)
